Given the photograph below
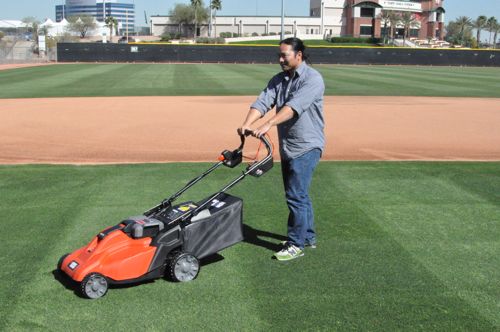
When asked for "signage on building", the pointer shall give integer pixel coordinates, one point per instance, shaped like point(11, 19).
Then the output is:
point(401, 5)
point(41, 44)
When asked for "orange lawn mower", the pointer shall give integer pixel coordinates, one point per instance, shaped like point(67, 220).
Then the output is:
point(167, 240)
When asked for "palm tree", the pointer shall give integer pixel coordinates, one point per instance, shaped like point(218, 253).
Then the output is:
point(215, 5)
point(496, 29)
point(112, 24)
point(463, 23)
point(196, 4)
point(490, 26)
point(408, 21)
point(479, 24)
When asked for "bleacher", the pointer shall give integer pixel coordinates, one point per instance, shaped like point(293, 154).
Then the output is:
point(430, 43)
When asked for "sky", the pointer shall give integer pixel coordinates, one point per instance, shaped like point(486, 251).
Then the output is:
point(42, 9)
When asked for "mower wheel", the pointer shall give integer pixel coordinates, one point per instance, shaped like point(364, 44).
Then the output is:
point(94, 286)
point(183, 267)
point(60, 261)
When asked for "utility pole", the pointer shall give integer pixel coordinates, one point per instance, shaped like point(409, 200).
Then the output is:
point(282, 19)
point(126, 23)
point(210, 25)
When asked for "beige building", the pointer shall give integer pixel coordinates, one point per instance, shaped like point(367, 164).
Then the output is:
point(358, 18)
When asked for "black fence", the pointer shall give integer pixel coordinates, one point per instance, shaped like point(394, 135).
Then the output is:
point(97, 52)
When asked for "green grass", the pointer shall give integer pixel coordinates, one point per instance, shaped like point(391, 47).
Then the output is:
point(275, 42)
point(402, 246)
point(88, 80)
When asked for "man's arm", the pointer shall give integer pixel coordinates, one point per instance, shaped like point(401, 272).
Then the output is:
point(252, 116)
point(285, 114)
point(264, 103)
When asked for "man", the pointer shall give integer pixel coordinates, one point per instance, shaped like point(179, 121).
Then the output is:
point(297, 93)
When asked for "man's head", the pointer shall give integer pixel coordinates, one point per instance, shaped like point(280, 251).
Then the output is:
point(291, 53)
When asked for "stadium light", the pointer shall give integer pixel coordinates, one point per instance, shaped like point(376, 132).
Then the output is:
point(282, 19)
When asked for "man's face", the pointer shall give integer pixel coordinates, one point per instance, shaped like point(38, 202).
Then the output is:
point(289, 60)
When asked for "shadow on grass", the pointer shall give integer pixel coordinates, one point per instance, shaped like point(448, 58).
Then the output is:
point(252, 236)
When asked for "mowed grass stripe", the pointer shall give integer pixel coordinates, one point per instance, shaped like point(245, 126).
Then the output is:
point(443, 78)
point(73, 81)
point(411, 81)
point(236, 79)
point(402, 246)
point(457, 246)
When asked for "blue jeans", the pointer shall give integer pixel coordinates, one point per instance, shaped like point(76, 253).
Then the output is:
point(297, 176)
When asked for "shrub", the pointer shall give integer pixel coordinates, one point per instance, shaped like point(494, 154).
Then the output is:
point(354, 40)
point(2, 35)
point(272, 33)
point(255, 34)
point(166, 37)
point(207, 40)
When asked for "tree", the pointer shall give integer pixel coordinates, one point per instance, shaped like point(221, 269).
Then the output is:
point(30, 23)
point(464, 24)
point(112, 24)
point(458, 34)
point(81, 24)
point(385, 19)
point(408, 21)
point(490, 26)
point(215, 5)
point(496, 29)
point(196, 4)
point(181, 15)
point(479, 24)
point(393, 21)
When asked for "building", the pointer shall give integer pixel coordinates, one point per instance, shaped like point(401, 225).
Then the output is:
point(363, 17)
point(357, 18)
point(100, 9)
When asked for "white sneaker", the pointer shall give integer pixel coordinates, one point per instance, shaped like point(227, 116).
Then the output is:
point(289, 252)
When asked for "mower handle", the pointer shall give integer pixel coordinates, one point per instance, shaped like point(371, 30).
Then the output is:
point(168, 202)
point(263, 138)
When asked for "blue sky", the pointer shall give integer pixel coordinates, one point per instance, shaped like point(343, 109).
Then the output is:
point(41, 9)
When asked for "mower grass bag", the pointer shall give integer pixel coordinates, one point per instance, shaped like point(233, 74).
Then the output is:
point(222, 227)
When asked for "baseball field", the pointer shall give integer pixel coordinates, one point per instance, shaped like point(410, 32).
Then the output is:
point(407, 198)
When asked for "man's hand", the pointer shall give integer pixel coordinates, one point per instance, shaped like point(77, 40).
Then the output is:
point(262, 130)
point(241, 130)
point(252, 116)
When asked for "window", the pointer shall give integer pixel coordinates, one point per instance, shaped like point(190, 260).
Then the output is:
point(367, 12)
point(366, 30)
point(414, 32)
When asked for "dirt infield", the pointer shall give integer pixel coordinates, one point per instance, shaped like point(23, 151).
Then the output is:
point(6, 66)
point(164, 129)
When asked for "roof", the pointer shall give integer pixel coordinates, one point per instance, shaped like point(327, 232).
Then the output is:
point(11, 24)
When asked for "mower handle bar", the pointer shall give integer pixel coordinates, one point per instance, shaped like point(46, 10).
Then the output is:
point(168, 202)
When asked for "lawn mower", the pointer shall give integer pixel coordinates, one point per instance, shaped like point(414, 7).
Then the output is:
point(167, 240)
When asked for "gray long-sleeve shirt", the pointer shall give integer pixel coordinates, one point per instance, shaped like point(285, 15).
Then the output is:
point(304, 94)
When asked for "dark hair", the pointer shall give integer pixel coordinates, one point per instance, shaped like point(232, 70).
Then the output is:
point(297, 45)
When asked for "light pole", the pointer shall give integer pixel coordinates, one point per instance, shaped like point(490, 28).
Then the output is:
point(210, 25)
point(282, 19)
point(126, 23)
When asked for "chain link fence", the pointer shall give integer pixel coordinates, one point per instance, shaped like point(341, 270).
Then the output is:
point(19, 50)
